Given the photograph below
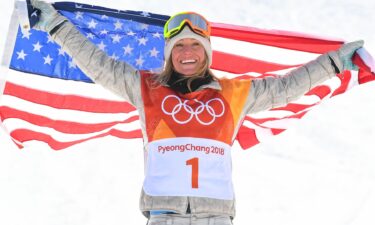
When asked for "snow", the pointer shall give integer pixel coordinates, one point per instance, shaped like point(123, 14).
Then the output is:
point(320, 171)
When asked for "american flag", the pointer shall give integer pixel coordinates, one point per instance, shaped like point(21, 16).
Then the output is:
point(48, 99)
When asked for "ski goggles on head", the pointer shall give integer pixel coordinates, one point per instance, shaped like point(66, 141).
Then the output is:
point(197, 23)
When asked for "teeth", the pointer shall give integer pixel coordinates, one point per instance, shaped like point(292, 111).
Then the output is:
point(189, 61)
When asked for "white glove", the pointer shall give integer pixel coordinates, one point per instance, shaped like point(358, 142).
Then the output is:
point(346, 52)
point(49, 17)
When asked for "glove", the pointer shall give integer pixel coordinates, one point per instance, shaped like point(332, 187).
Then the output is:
point(49, 17)
point(345, 54)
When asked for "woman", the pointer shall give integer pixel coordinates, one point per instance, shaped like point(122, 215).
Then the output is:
point(189, 118)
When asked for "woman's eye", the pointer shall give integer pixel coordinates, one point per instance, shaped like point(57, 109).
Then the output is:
point(179, 46)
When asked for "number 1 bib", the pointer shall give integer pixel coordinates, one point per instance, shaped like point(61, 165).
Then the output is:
point(182, 166)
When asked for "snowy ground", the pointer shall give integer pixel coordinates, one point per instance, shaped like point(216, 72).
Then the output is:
point(320, 172)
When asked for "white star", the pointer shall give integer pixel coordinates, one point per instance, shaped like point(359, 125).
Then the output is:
point(49, 39)
point(79, 15)
point(21, 55)
point(72, 64)
point(154, 52)
point(37, 47)
point(78, 6)
point(142, 41)
point(128, 50)
point(116, 38)
point(34, 14)
point(118, 25)
point(144, 26)
point(145, 14)
point(90, 36)
point(61, 52)
point(130, 33)
point(47, 60)
point(115, 57)
point(26, 34)
point(92, 24)
point(156, 35)
point(139, 61)
point(104, 17)
point(104, 31)
point(102, 46)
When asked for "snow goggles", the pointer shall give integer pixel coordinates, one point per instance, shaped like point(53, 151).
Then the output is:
point(196, 22)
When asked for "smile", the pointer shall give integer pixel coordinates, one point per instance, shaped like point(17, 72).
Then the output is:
point(188, 61)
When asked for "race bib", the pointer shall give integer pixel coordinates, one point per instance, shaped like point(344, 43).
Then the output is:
point(189, 167)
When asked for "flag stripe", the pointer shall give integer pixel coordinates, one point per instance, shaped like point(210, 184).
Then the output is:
point(225, 61)
point(24, 135)
point(18, 124)
point(276, 38)
point(60, 125)
point(71, 102)
point(262, 52)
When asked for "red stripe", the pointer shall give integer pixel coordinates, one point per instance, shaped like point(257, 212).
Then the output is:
point(60, 125)
point(28, 135)
point(259, 121)
point(277, 131)
point(321, 91)
point(345, 79)
point(240, 64)
point(364, 74)
point(73, 102)
point(292, 107)
point(246, 137)
point(282, 39)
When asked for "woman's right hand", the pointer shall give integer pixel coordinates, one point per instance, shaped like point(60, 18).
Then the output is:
point(49, 17)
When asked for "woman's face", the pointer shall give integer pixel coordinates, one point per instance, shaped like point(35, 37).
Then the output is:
point(188, 56)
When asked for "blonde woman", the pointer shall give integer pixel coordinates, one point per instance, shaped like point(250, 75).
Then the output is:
point(189, 118)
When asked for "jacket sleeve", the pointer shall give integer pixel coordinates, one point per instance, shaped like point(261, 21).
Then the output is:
point(275, 92)
point(117, 76)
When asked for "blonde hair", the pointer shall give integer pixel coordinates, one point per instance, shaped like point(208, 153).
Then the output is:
point(163, 77)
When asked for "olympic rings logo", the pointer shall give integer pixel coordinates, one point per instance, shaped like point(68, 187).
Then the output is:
point(182, 106)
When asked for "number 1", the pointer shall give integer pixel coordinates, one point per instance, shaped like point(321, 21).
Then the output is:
point(194, 162)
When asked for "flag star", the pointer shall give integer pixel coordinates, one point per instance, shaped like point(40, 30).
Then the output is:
point(154, 52)
point(90, 36)
point(139, 61)
point(142, 41)
point(79, 15)
point(156, 35)
point(116, 38)
point(61, 52)
point(128, 50)
point(21, 55)
point(26, 34)
point(78, 6)
point(92, 24)
point(130, 33)
point(104, 32)
point(144, 26)
point(118, 25)
point(104, 17)
point(71, 64)
point(102, 46)
point(47, 60)
point(145, 14)
point(114, 56)
point(34, 14)
point(37, 47)
point(49, 39)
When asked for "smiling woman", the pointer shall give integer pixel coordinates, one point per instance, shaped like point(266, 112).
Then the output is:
point(289, 182)
point(187, 105)
point(188, 56)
